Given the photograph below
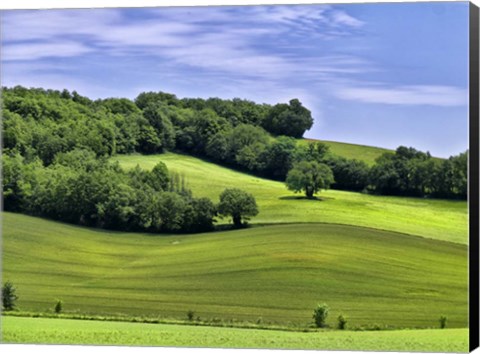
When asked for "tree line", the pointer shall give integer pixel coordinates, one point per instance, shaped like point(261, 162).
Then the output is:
point(404, 172)
point(80, 188)
point(44, 122)
point(261, 139)
point(238, 133)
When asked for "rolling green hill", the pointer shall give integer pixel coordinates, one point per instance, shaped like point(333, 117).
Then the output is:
point(387, 261)
point(440, 219)
point(365, 153)
point(278, 273)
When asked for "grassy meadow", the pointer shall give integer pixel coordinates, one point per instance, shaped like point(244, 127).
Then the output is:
point(276, 273)
point(387, 262)
point(29, 330)
point(439, 219)
point(365, 153)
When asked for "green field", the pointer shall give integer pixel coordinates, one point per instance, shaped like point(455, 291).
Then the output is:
point(440, 219)
point(382, 261)
point(364, 153)
point(37, 330)
point(278, 273)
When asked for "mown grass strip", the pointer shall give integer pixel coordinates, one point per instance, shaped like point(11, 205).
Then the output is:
point(63, 331)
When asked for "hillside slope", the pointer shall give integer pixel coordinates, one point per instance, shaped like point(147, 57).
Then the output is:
point(439, 219)
point(278, 273)
point(365, 153)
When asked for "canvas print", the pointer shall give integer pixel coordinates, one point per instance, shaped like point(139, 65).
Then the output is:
point(288, 177)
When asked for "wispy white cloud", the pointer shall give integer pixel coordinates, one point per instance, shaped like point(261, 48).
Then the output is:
point(110, 29)
point(214, 41)
point(147, 33)
point(210, 39)
point(291, 15)
point(49, 25)
point(445, 96)
point(34, 51)
point(341, 18)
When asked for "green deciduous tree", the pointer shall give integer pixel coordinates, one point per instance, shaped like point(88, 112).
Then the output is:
point(58, 306)
point(309, 177)
point(158, 115)
point(204, 125)
point(349, 174)
point(250, 156)
point(312, 151)
point(217, 147)
point(200, 216)
point(278, 157)
point(245, 135)
point(443, 321)
point(237, 204)
point(9, 296)
point(320, 314)
point(288, 119)
point(158, 178)
point(342, 322)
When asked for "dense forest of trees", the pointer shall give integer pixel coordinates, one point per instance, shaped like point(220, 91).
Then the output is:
point(79, 188)
point(415, 173)
point(57, 144)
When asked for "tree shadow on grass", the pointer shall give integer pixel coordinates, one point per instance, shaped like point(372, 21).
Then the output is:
point(302, 197)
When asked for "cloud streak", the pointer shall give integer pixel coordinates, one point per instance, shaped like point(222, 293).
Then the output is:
point(244, 43)
point(240, 41)
point(443, 96)
point(35, 51)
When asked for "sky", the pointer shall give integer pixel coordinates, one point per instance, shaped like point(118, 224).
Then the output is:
point(375, 74)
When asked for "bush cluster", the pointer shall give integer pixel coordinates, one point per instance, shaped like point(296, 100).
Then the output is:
point(409, 172)
point(77, 187)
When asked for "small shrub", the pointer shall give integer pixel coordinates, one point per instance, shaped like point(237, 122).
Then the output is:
point(8, 296)
point(59, 306)
point(320, 315)
point(443, 321)
point(190, 315)
point(342, 322)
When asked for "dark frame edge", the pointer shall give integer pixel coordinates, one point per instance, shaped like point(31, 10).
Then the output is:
point(474, 147)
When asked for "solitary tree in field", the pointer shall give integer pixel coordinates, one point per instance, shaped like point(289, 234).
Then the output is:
point(238, 204)
point(58, 306)
point(309, 177)
point(443, 321)
point(320, 314)
point(8, 296)
point(342, 322)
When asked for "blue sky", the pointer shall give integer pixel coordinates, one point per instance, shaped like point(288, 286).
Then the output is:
point(377, 74)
